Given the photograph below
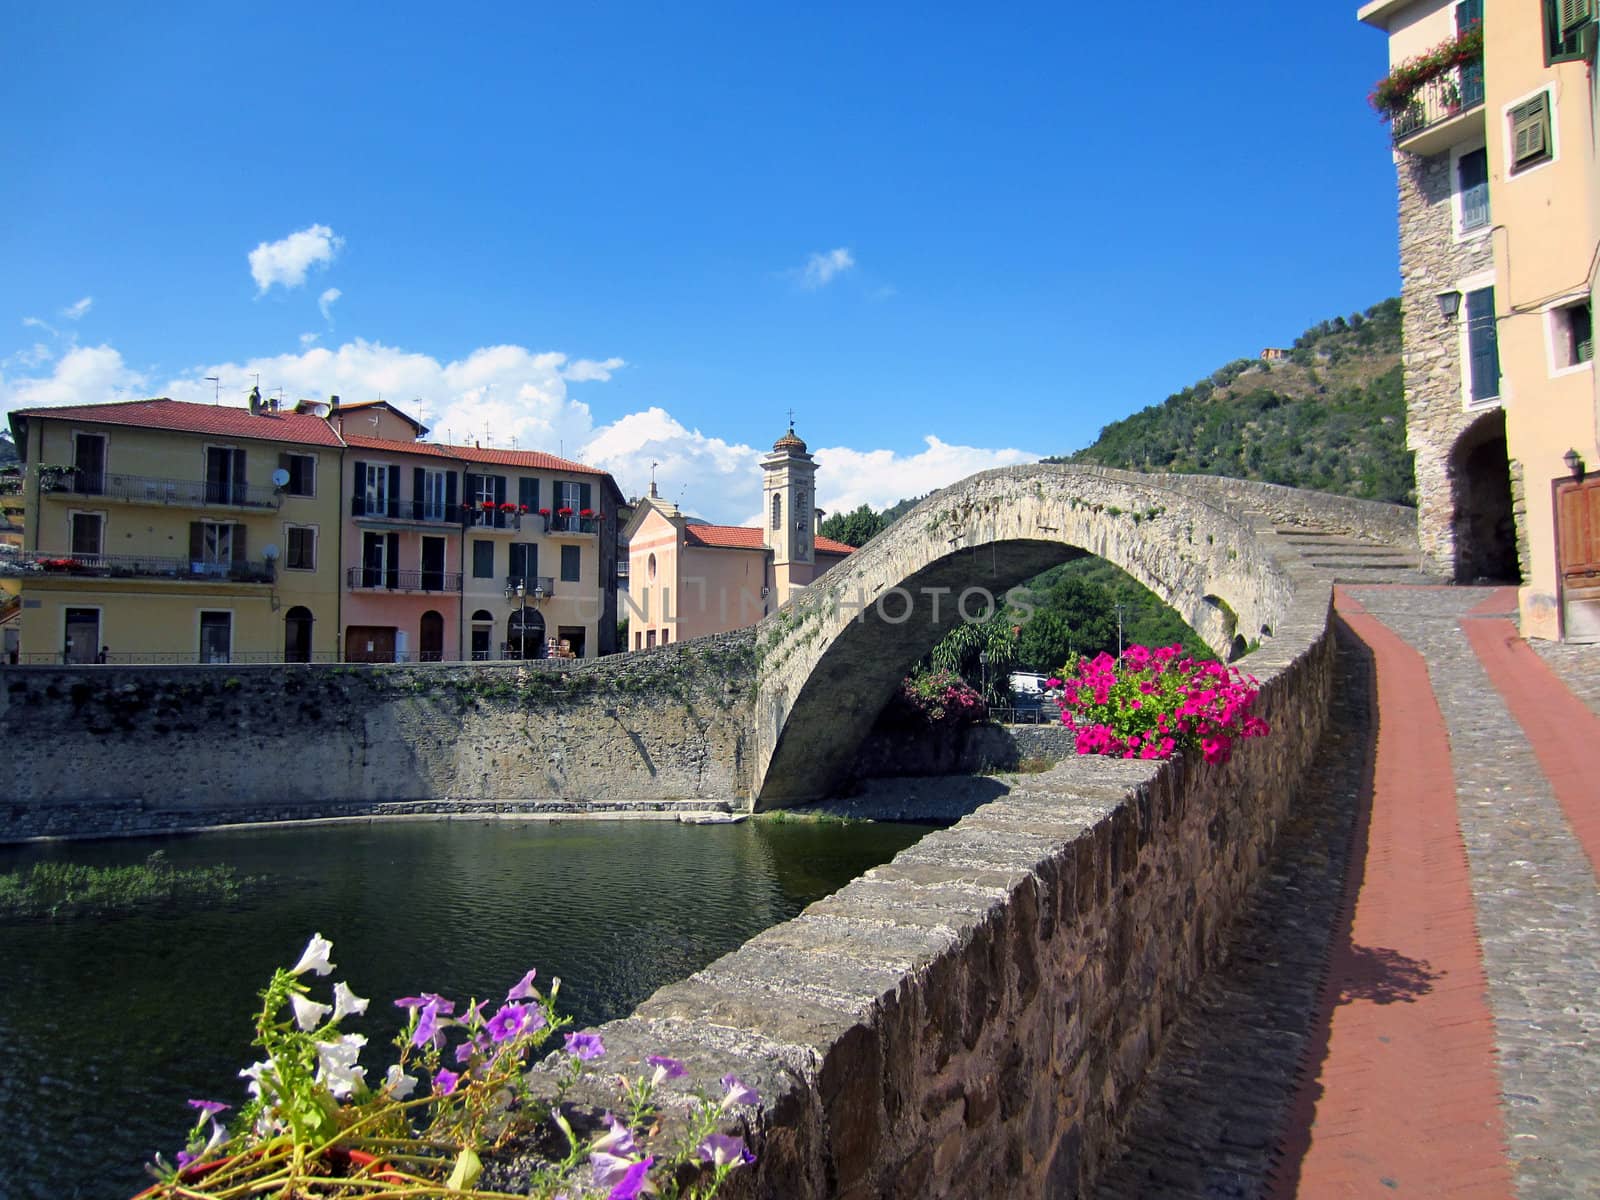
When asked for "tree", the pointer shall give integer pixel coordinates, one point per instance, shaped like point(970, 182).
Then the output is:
point(854, 528)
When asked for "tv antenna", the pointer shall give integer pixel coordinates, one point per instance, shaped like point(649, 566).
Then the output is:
point(216, 391)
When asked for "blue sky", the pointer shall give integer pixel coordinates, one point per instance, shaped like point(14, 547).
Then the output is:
point(645, 232)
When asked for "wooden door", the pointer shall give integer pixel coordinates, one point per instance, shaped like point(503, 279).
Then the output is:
point(1578, 547)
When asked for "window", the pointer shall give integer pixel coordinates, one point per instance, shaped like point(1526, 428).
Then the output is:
point(777, 510)
point(1574, 334)
point(571, 556)
point(1565, 22)
point(375, 489)
point(528, 494)
point(524, 563)
point(216, 637)
point(1483, 350)
point(1530, 133)
point(572, 495)
point(300, 553)
point(89, 458)
point(87, 534)
point(482, 559)
point(1472, 179)
point(302, 470)
point(216, 546)
point(225, 475)
point(435, 496)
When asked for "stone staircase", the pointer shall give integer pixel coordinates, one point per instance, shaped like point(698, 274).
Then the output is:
point(1355, 560)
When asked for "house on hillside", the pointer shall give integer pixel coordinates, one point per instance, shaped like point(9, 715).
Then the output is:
point(688, 578)
point(1493, 122)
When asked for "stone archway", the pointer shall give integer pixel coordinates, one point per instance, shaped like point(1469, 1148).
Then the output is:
point(828, 660)
point(1482, 509)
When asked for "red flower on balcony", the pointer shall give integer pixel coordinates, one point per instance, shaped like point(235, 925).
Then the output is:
point(544, 512)
point(586, 513)
point(522, 508)
point(508, 507)
point(563, 512)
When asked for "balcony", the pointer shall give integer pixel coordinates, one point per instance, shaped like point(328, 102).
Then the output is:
point(1441, 111)
point(411, 512)
point(35, 563)
point(573, 526)
point(146, 489)
point(510, 518)
point(538, 586)
point(376, 579)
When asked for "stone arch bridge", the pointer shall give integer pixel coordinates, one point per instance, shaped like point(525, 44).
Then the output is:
point(1223, 553)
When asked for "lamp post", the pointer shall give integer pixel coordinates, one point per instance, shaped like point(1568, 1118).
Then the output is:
point(520, 591)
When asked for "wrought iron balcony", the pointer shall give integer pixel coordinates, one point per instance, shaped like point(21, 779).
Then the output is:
point(146, 489)
point(574, 524)
point(411, 511)
point(136, 566)
point(379, 579)
point(475, 516)
point(1443, 98)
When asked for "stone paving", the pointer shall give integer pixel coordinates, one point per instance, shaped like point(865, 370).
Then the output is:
point(1578, 666)
point(1220, 1117)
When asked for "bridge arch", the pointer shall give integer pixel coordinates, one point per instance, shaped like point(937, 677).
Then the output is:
point(829, 659)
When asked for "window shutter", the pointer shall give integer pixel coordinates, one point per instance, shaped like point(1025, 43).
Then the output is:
point(394, 491)
point(450, 497)
point(585, 492)
point(1575, 14)
point(197, 541)
point(283, 463)
point(241, 551)
point(358, 502)
point(1468, 14)
point(499, 489)
point(533, 564)
point(528, 493)
point(238, 468)
point(392, 560)
point(1528, 131)
point(419, 492)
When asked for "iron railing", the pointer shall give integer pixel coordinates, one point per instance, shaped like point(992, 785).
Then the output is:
point(147, 489)
point(560, 524)
point(379, 579)
point(172, 658)
point(420, 511)
point(545, 585)
point(1458, 90)
point(136, 566)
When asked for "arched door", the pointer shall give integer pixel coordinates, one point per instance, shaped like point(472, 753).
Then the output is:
point(525, 634)
point(297, 624)
point(482, 632)
point(430, 645)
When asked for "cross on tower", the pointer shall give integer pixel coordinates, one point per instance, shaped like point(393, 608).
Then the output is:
point(791, 418)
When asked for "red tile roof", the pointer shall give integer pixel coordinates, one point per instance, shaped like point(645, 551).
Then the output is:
point(532, 459)
point(350, 405)
point(747, 537)
point(221, 420)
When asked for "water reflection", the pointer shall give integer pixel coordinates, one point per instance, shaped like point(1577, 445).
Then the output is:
point(108, 1026)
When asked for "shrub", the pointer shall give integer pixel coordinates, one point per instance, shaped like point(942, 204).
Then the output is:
point(938, 698)
point(1156, 704)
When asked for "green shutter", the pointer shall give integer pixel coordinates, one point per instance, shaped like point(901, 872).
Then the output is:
point(358, 493)
point(1530, 125)
point(1575, 14)
point(240, 544)
point(585, 493)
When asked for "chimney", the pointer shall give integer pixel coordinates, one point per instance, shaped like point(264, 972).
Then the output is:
point(333, 404)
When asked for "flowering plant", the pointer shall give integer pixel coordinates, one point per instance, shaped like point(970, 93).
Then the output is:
point(937, 698)
point(1391, 94)
point(488, 506)
point(522, 508)
point(586, 513)
point(508, 507)
point(563, 512)
point(315, 1126)
point(1157, 703)
point(544, 512)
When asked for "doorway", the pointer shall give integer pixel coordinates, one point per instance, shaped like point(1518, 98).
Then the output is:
point(433, 564)
point(216, 637)
point(82, 643)
point(1578, 549)
point(297, 635)
point(1483, 521)
point(482, 635)
point(89, 461)
point(430, 645)
point(570, 639)
point(369, 644)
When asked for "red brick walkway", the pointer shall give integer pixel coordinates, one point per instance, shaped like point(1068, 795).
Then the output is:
point(1403, 1096)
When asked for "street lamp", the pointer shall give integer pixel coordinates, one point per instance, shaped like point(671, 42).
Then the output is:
point(520, 591)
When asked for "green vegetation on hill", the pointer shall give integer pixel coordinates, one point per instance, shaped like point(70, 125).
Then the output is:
point(1330, 417)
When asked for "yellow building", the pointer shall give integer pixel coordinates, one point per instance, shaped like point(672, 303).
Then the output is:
point(1493, 115)
point(170, 532)
point(688, 578)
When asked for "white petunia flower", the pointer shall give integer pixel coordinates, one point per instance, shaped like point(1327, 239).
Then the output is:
point(336, 1065)
point(346, 1002)
point(314, 957)
point(308, 1014)
point(398, 1084)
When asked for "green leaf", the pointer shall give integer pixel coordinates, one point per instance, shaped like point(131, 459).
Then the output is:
point(466, 1172)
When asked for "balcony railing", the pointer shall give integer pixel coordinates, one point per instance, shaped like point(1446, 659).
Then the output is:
point(1458, 90)
point(172, 658)
point(574, 524)
point(478, 517)
point(420, 511)
point(378, 579)
point(544, 585)
point(145, 489)
point(136, 566)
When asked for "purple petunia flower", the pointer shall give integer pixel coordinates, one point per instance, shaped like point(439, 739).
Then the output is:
point(585, 1046)
point(738, 1093)
point(524, 989)
point(512, 1020)
point(444, 1082)
point(666, 1068)
point(720, 1149)
point(410, 1002)
point(427, 1025)
point(632, 1182)
point(209, 1108)
point(618, 1139)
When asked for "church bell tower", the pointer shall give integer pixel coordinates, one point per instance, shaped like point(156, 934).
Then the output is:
point(789, 475)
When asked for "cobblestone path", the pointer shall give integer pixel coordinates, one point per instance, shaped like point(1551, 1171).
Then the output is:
point(1413, 1002)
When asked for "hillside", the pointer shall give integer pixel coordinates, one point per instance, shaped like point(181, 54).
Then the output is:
point(1330, 417)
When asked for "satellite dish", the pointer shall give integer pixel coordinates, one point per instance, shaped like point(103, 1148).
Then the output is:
point(280, 478)
point(270, 553)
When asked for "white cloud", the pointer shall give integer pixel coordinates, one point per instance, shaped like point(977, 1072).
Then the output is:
point(83, 375)
point(77, 309)
point(287, 261)
point(36, 323)
point(847, 479)
point(820, 269)
point(35, 355)
point(310, 339)
point(325, 303)
point(717, 479)
point(587, 370)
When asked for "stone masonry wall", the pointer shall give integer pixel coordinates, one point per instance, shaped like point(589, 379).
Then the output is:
point(1369, 520)
point(973, 1018)
point(1432, 261)
point(127, 749)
